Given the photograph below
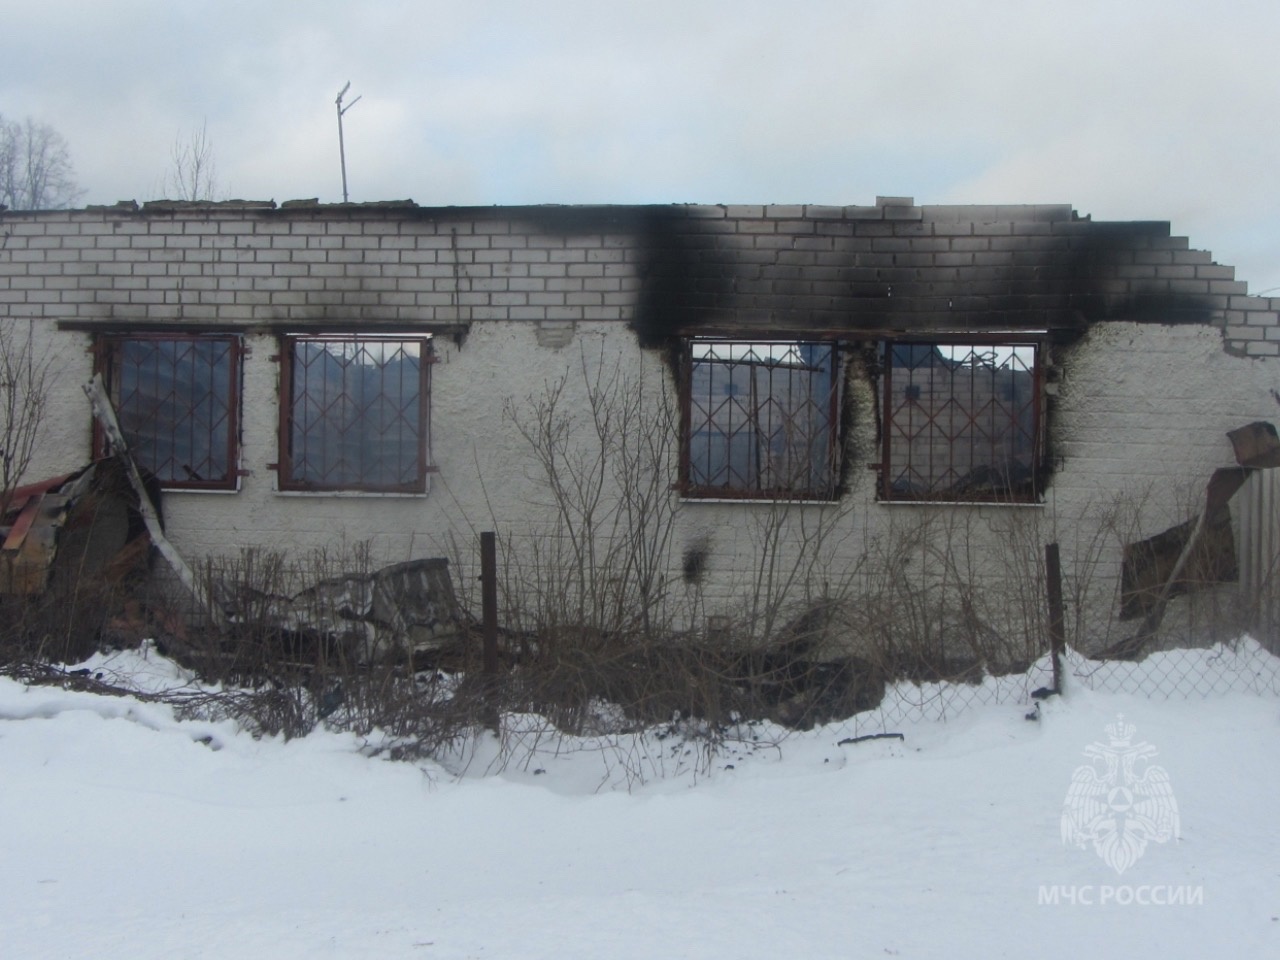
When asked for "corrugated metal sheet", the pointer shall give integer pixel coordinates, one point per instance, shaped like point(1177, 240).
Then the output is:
point(35, 514)
point(1257, 510)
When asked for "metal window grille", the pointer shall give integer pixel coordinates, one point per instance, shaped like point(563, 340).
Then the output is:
point(177, 401)
point(761, 419)
point(357, 414)
point(962, 421)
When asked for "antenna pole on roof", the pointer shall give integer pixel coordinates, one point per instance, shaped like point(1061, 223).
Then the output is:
point(342, 150)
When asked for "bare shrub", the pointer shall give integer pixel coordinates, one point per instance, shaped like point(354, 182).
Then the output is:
point(291, 652)
point(600, 566)
point(605, 637)
point(79, 558)
point(24, 397)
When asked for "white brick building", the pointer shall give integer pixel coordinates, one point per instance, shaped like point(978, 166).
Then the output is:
point(305, 375)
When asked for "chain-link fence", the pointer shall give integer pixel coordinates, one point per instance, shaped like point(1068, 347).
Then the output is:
point(1241, 667)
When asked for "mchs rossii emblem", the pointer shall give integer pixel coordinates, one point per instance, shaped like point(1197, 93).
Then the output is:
point(1119, 801)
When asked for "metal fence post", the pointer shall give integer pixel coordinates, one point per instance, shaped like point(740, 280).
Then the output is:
point(489, 612)
point(1053, 584)
point(489, 600)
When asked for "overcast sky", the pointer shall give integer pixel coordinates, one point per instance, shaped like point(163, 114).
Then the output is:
point(1151, 109)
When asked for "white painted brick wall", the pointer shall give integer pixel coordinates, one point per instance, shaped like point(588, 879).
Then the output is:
point(279, 268)
point(1141, 415)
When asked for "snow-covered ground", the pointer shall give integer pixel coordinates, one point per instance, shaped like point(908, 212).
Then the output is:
point(127, 834)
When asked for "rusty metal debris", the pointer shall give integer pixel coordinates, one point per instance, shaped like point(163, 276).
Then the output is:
point(74, 547)
point(1200, 552)
point(395, 610)
point(32, 519)
point(1256, 445)
point(86, 521)
point(87, 533)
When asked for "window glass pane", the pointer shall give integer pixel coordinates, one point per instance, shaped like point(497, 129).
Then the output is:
point(761, 418)
point(961, 421)
point(357, 414)
point(174, 401)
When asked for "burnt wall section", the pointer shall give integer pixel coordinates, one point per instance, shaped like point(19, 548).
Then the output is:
point(668, 270)
point(900, 268)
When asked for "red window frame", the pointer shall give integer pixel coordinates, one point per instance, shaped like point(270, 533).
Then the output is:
point(760, 419)
point(963, 420)
point(197, 388)
point(340, 401)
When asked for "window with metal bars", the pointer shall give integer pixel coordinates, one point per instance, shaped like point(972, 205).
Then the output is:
point(177, 399)
point(354, 414)
point(962, 421)
point(760, 419)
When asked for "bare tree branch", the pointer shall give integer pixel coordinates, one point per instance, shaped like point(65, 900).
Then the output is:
point(193, 171)
point(35, 167)
point(24, 390)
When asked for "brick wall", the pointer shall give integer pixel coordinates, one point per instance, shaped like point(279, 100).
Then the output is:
point(251, 264)
point(1155, 347)
point(890, 266)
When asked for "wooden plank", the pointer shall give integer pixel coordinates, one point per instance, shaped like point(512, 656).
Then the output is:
point(106, 415)
point(22, 525)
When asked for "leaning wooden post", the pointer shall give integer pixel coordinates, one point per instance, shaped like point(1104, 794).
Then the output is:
point(105, 414)
point(1057, 636)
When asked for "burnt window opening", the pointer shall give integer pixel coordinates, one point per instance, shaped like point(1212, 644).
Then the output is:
point(354, 414)
point(963, 421)
point(177, 400)
point(760, 419)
